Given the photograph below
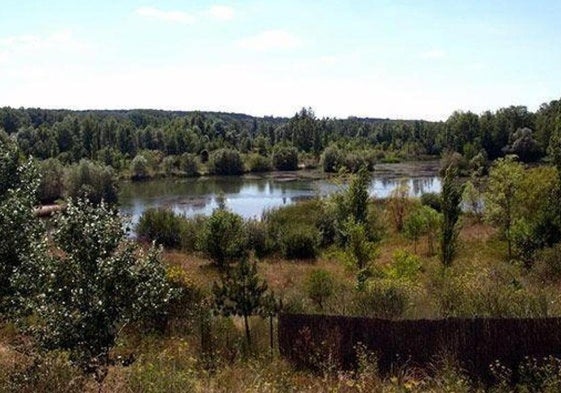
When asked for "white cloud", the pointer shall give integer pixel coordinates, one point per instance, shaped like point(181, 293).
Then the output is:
point(221, 12)
point(16, 48)
point(270, 39)
point(433, 54)
point(168, 16)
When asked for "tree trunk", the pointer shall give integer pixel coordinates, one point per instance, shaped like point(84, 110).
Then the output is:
point(247, 335)
point(271, 342)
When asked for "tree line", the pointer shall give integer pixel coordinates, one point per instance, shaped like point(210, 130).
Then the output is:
point(115, 138)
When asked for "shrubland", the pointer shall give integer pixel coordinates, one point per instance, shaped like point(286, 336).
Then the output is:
point(85, 308)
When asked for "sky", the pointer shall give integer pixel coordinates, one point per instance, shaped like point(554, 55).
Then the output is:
point(412, 59)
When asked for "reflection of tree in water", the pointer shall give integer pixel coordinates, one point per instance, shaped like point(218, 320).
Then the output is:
point(420, 184)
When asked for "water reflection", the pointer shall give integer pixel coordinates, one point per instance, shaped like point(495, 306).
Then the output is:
point(250, 196)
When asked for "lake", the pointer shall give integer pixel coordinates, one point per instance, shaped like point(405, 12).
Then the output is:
point(250, 195)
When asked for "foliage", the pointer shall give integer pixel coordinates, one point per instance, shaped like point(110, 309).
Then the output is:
point(257, 237)
point(285, 158)
point(94, 284)
point(20, 230)
point(398, 205)
point(258, 163)
point(300, 242)
point(360, 252)
point(332, 159)
point(404, 265)
point(431, 199)
point(471, 198)
point(415, 226)
point(139, 168)
point(240, 293)
point(503, 195)
point(91, 181)
point(223, 238)
point(162, 226)
point(225, 162)
point(51, 187)
point(381, 299)
point(451, 198)
point(188, 165)
point(319, 287)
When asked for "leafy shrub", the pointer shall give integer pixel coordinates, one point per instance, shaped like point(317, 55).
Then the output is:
point(258, 163)
point(91, 181)
point(300, 242)
point(94, 282)
point(319, 286)
point(51, 187)
point(139, 168)
point(331, 159)
point(258, 239)
point(169, 164)
point(225, 162)
point(431, 199)
point(223, 237)
point(188, 165)
point(404, 265)
point(548, 263)
point(381, 299)
point(285, 158)
point(160, 225)
point(49, 372)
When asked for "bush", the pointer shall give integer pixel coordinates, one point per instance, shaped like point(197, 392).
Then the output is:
point(139, 168)
point(160, 225)
point(169, 164)
point(258, 163)
point(431, 199)
point(548, 263)
point(404, 265)
point(331, 159)
point(188, 165)
point(300, 242)
point(225, 162)
point(285, 158)
point(319, 286)
point(223, 238)
point(51, 187)
point(91, 181)
point(381, 299)
point(257, 238)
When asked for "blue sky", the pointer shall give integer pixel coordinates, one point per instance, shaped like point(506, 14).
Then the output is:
point(397, 59)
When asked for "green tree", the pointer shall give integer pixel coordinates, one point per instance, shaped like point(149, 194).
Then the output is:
point(91, 181)
point(285, 158)
point(223, 237)
point(95, 283)
point(188, 164)
point(471, 199)
point(398, 204)
point(502, 195)
point(319, 286)
point(240, 293)
point(20, 229)
point(51, 187)
point(225, 162)
point(451, 210)
point(139, 167)
point(360, 252)
point(415, 226)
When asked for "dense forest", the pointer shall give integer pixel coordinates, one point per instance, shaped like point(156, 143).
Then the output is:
point(178, 141)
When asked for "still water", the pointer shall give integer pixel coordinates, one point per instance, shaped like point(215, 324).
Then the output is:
point(249, 196)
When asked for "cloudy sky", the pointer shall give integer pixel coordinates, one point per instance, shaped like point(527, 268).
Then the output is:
point(394, 58)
